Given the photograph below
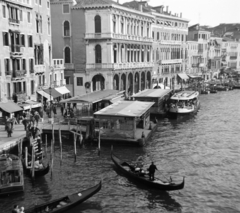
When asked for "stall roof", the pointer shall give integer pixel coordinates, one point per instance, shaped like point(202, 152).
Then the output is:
point(152, 93)
point(183, 76)
point(10, 107)
point(93, 97)
point(126, 109)
point(30, 104)
point(53, 92)
point(63, 90)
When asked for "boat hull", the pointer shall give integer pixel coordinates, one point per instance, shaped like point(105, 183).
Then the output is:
point(70, 201)
point(145, 180)
point(37, 173)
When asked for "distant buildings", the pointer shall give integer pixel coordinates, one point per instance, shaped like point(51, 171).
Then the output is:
point(26, 49)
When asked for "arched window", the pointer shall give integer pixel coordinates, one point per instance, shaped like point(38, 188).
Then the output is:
point(66, 28)
point(98, 54)
point(97, 24)
point(67, 55)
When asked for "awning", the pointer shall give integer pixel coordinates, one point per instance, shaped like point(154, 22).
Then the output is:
point(63, 90)
point(54, 93)
point(183, 76)
point(30, 105)
point(44, 94)
point(10, 107)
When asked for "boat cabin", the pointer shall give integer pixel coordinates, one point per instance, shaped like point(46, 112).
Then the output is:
point(158, 96)
point(184, 99)
point(11, 174)
point(123, 120)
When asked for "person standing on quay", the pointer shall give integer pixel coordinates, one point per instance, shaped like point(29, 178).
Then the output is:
point(9, 127)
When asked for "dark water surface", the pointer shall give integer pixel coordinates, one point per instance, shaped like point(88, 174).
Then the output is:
point(204, 148)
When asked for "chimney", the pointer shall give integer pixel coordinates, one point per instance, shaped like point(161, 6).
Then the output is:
point(180, 15)
point(167, 9)
point(140, 7)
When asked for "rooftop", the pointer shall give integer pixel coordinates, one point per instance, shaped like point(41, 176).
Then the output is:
point(153, 93)
point(126, 109)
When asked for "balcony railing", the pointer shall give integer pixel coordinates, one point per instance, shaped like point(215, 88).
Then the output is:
point(19, 73)
point(13, 21)
point(169, 42)
point(69, 66)
point(39, 69)
point(8, 73)
point(117, 36)
point(120, 65)
point(62, 82)
point(171, 61)
point(15, 48)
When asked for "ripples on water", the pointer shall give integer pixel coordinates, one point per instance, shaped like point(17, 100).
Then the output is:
point(204, 148)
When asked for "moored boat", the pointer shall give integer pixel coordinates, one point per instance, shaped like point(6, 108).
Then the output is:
point(11, 174)
point(183, 103)
point(67, 202)
point(143, 178)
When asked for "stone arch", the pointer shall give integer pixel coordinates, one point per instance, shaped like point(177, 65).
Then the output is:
point(143, 81)
point(130, 83)
point(136, 82)
point(148, 80)
point(116, 82)
point(98, 82)
point(123, 82)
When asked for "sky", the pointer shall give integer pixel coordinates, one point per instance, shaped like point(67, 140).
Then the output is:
point(205, 12)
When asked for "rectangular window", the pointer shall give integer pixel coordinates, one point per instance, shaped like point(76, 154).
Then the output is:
point(5, 39)
point(30, 41)
point(29, 17)
point(7, 65)
point(79, 81)
point(21, 15)
point(4, 11)
point(66, 8)
point(40, 2)
point(31, 66)
point(22, 40)
point(48, 4)
point(32, 87)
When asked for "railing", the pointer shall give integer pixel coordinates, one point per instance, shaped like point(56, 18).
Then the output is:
point(19, 73)
point(169, 42)
point(69, 66)
point(15, 48)
point(117, 36)
point(171, 61)
point(120, 65)
point(39, 69)
point(8, 73)
point(15, 21)
point(58, 63)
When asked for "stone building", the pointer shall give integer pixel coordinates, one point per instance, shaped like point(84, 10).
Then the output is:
point(193, 59)
point(202, 36)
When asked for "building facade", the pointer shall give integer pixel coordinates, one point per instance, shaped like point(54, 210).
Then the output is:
point(26, 49)
point(193, 58)
point(202, 36)
point(231, 54)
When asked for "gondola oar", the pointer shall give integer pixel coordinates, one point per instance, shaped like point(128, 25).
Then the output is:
point(60, 141)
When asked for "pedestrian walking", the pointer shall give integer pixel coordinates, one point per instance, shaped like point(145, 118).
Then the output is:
point(36, 117)
point(9, 127)
point(62, 109)
point(14, 121)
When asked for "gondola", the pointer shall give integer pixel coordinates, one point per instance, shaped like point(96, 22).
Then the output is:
point(37, 172)
point(129, 171)
point(65, 203)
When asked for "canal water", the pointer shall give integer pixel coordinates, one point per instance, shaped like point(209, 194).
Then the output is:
point(204, 148)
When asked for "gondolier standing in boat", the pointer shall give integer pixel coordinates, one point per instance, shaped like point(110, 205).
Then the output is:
point(152, 168)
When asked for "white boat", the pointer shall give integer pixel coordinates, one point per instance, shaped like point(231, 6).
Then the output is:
point(184, 102)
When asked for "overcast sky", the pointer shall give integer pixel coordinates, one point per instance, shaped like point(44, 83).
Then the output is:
point(205, 12)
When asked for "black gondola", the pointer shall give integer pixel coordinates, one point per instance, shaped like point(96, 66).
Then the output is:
point(37, 172)
point(129, 171)
point(65, 203)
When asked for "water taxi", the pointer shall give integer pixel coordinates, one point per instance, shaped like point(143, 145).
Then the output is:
point(184, 102)
point(11, 174)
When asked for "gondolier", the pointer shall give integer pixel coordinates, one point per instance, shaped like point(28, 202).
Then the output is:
point(152, 168)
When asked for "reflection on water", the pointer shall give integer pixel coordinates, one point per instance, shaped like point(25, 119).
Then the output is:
point(204, 148)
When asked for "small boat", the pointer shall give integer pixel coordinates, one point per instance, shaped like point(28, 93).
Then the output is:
point(11, 174)
point(183, 103)
point(65, 203)
point(129, 171)
point(38, 172)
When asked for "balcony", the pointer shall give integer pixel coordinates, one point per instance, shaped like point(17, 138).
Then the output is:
point(69, 66)
point(58, 63)
point(170, 42)
point(120, 65)
point(14, 21)
point(117, 36)
point(170, 61)
point(16, 51)
point(39, 69)
point(18, 74)
point(21, 96)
